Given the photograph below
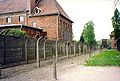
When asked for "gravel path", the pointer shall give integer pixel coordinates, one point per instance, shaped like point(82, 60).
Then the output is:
point(67, 70)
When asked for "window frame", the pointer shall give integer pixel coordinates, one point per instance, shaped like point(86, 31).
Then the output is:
point(9, 19)
point(21, 18)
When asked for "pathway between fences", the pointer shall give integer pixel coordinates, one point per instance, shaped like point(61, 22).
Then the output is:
point(15, 72)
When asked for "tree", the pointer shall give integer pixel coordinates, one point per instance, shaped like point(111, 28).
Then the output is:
point(116, 23)
point(15, 32)
point(82, 39)
point(88, 33)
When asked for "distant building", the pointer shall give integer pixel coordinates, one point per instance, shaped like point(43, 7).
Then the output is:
point(45, 14)
point(105, 43)
point(116, 5)
point(113, 41)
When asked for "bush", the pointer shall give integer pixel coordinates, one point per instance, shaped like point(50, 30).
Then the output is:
point(16, 32)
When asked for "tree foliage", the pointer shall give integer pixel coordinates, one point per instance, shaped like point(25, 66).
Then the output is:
point(88, 34)
point(82, 39)
point(15, 32)
point(116, 23)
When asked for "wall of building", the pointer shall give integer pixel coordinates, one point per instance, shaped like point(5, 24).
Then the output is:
point(65, 29)
point(48, 23)
point(57, 27)
point(14, 17)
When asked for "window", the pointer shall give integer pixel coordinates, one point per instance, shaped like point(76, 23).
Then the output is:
point(64, 24)
point(9, 20)
point(37, 10)
point(60, 23)
point(21, 18)
point(34, 24)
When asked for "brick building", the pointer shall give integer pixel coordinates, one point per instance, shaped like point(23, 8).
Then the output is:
point(45, 14)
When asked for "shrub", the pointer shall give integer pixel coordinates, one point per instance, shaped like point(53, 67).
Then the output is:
point(16, 32)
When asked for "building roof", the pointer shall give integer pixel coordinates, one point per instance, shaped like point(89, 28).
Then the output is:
point(51, 7)
point(18, 26)
point(7, 6)
point(47, 7)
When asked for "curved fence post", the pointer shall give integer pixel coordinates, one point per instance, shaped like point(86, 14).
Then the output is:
point(74, 49)
point(26, 55)
point(84, 48)
point(67, 50)
point(44, 49)
point(79, 48)
point(56, 50)
point(37, 52)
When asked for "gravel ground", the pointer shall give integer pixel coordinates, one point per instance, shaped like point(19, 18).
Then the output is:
point(67, 70)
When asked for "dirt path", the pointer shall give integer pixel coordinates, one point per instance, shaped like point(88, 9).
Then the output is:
point(67, 70)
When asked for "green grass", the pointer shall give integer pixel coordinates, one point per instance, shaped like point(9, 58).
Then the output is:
point(105, 58)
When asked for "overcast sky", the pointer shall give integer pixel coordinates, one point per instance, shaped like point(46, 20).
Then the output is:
point(82, 11)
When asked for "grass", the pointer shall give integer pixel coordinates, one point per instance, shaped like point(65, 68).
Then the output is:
point(105, 58)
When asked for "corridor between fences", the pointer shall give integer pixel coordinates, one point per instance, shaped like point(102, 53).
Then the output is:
point(15, 50)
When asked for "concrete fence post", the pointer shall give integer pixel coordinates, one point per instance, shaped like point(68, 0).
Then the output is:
point(67, 50)
point(74, 49)
point(56, 50)
point(37, 52)
point(44, 49)
point(63, 48)
point(83, 49)
point(26, 55)
point(79, 49)
point(54, 67)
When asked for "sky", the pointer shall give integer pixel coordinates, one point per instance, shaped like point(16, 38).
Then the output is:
point(82, 11)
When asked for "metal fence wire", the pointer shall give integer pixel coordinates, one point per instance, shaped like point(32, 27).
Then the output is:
point(15, 49)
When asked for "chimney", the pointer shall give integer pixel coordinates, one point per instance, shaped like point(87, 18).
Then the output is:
point(32, 5)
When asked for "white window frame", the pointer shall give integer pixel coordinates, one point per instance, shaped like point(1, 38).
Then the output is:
point(37, 10)
point(9, 19)
point(21, 18)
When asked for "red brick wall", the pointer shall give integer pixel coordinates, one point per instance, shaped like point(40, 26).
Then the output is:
point(48, 23)
point(51, 24)
point(65, 27)
point(15, 18)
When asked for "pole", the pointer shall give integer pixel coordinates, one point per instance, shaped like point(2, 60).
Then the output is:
point(37, 52)
point(26, 55)
point(55, 68)
point(44, 49)
point(74, 50)
point(67, 50)
point(56, 51)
